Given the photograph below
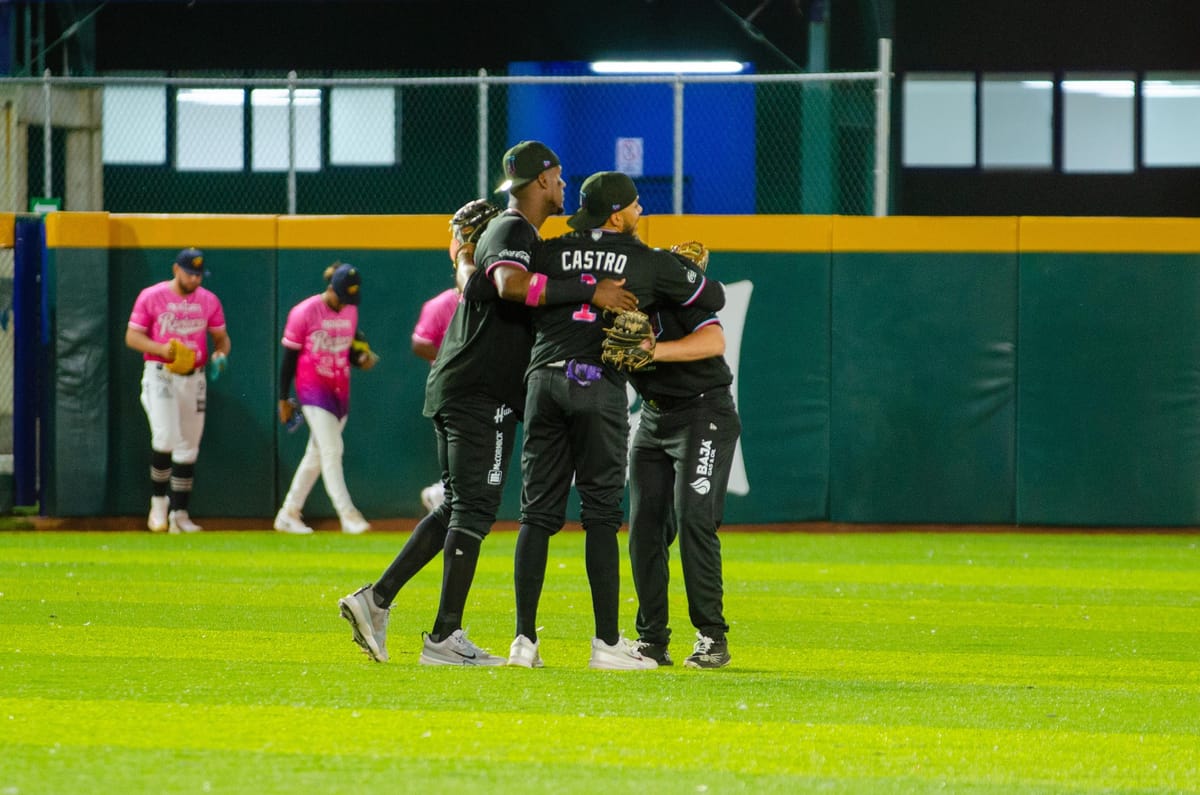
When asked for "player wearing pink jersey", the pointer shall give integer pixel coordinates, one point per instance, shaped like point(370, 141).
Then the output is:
point(178, 309)
point(426, 339)
point(317, 342)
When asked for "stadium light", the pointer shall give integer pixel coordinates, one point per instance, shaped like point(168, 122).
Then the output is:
point(667, 67)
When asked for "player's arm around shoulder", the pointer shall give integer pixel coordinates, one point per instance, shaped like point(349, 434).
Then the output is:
point(703, 343)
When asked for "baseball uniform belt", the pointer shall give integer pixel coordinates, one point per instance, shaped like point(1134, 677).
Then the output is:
point(672, 403)
point(163, 366)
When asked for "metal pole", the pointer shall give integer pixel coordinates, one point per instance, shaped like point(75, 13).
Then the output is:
point(291, 177)
point(882, 126)
point(47, 138)
point(677, 181)
point(482, 134)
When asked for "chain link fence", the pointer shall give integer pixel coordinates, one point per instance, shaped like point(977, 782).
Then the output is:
point(735, 144)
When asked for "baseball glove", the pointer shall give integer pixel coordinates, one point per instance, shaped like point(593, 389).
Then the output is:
point(623, 343)
point(361, 355)
point(692, 250)
point(184, 360)
point(471, 219)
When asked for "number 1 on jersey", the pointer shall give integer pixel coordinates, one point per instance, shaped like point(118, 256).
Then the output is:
point(584, 313)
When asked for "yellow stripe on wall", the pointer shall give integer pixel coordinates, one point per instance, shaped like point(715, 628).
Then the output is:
point(397, 232)
point(202, 231)
point(1115, 235)
point(796, 233)
point(77, 230)
point(8, 230)
point(911, 233)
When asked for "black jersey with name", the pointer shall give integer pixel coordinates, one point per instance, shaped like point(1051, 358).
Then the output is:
point(681, 380)
point(655, 276)
point(486, 348)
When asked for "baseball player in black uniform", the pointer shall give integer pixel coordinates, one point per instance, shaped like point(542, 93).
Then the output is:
point(683, 447)
point(475, 395)
point(576, 419)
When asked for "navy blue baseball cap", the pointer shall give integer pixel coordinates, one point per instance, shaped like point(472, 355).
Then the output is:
point(346, 283)
point(192, 261)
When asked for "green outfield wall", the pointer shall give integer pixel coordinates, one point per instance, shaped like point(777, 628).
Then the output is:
point(1032, 371)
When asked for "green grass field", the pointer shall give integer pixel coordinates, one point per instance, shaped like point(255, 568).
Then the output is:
point(862, 663)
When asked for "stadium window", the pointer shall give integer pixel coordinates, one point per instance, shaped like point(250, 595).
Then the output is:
point(209, 127)
point(1171, 119)
point(1098, 123)
point(939, 119)
point(363, 125)
point(135, 125)
point(1017, 117)
point(269, 125)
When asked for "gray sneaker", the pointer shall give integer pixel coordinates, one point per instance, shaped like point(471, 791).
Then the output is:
point(708, 653)
point(455, 649)
point(368, 622)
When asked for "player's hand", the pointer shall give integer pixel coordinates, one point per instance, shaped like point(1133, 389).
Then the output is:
point(612, 296)
point(286, 410)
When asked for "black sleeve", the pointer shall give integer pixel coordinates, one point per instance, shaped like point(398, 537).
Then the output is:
point(711, 297)
point(568, 291)
point(287, 371)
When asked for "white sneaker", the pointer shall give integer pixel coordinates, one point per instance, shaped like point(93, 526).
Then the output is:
point(157, 521)
point(433, 496)
point(524, 653)
point(621, 656)
point(354, 524)
point(180, 522)
point(455, 650)
point(288, 521)
point(368, 621)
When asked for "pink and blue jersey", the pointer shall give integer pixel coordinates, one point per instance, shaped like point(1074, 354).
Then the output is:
point(435, 318)
point(164, 314)
point(323, 338)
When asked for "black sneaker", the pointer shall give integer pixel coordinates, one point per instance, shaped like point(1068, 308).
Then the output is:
point(656, 652)
point(709, 653)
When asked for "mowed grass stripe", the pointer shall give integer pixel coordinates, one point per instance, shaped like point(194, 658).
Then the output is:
point(954, 679)
point(782, 748)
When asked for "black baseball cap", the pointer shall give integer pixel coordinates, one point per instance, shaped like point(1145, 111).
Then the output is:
point(601, 195)
point(192, 261)
point(523, 163)
point(346, 283)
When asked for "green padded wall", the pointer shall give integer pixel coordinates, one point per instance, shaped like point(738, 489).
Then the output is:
point(923, 368)
point(76, 443)
point(1109, 418)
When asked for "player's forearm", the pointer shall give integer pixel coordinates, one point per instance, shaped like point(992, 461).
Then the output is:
point(141, 342)
point(704, 343)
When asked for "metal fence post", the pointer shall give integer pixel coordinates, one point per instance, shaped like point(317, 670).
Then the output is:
point(291, 178)
point(482, 133)
point(677, 181)
point(882, 125)
point(47, 139)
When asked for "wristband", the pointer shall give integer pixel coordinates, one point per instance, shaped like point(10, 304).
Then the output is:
point(537, 285)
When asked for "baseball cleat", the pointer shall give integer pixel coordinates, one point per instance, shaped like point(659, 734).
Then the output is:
point(655, 651)
point(368, 621)
point(709, 653)
point(524, 653)
point(354, 524)
point(621, 656)
point(159, 507)
point(287, 521)
point(180, 522)
point(455, 650)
